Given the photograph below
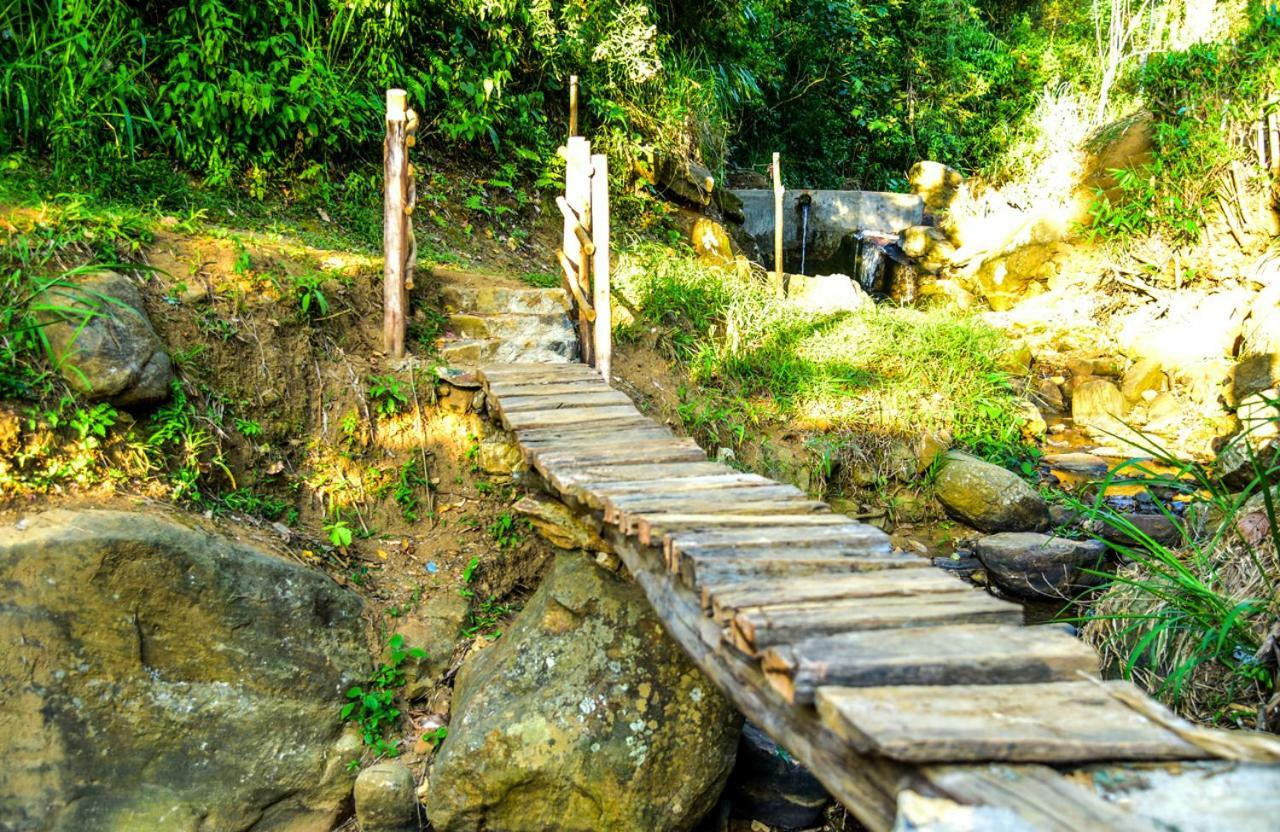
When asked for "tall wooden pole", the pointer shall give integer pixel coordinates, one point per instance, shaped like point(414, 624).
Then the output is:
point(395, 240)
point(577, 193)
point(603, 336)
point(1273, 140)
point(777, 221)
point(573, 106)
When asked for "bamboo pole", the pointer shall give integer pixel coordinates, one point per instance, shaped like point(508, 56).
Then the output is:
point(603, 334)
point(573, 106)
point(777, 221)
point(577, 193)
point(395, 245)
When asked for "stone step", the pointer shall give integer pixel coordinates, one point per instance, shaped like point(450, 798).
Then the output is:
point(554, 326)
point(497, 300)
point(467, 352)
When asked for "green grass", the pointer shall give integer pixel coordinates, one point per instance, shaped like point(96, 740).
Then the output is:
point(881, 370)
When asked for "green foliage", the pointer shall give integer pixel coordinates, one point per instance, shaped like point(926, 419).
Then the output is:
point(339, 532)
point(179, 439)
point(436, 736)
point(373, 704)
point(311, 300)
point(484, 618)
point(388, 394)
point(1188, 619)
point(541, 280)
point(507, 530)
point(878, 372)
point(409, 479)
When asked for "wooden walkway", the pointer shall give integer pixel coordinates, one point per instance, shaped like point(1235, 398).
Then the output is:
point(879, 672)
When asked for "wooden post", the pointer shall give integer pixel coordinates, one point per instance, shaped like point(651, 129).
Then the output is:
point(577, 193)
point(1273, 139)
point(603, 335)
point(395, 245)
point(573, 106)
point(777, 221)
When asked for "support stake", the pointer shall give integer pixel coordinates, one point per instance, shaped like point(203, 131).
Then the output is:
point(778, 191)
point(603, 334)
point(395, 222)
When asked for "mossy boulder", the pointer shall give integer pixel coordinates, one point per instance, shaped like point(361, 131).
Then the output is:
point(103, 341)
point(584, 716)
point(988, 497)
point(156, 676)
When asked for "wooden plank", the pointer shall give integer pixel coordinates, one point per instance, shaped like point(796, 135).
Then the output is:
point(1055, 722)
point(571, 480)
point(758, 628)
point(1038, 794)
point(653, 527)
point(697, 571)
point(678, 485)
point(560, 401)
point(536, 373)
point(726, 599)
point(572, 416)
point(503, 390)
point(854, 538)
point(948, 655)
point(629, 521)
point(573, 437)
point(616, 505)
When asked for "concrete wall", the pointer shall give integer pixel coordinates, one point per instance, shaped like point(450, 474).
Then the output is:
point(833, 215)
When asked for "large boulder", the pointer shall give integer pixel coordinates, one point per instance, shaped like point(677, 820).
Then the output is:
point(435, 628)
point(988, 497)
point(584, 716)
point(928, 246)
point(1097, 403)
point(156, 676)
point(102, 340)
point(826, 293)
point(386, 798)
point(1030, 565)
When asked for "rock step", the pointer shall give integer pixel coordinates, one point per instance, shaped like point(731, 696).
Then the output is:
point(552, 326)
point(468, 352)
point(501, 300)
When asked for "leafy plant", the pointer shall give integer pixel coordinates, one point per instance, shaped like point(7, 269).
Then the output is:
point(388, 394)
point(339, 532)
point(311, 299)
point(249, 428)
point(507, 530)
point(436, 735)
point(373, 704)
point(409, 479)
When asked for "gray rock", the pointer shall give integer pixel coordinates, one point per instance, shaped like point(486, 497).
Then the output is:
point(769, 786)
point(935, 183)
point(1050, 395)
point(1153, 525)
point(1254, 374)
point(436, 629)
point(102, 340)
point(989, 497)
point(386, 798)
point(827, 293)
point(1082, 464)
point(160, 677)
point(1029, 565)
point(584, 716)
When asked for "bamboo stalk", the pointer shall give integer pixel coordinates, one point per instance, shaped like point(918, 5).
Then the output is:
point(1273, 133)
point(570, 273)
point(394, 244)
point(777, 220)
point(603, 331)
point(579, 230)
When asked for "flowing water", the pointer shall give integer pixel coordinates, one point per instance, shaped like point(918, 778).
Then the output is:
point(804, 232)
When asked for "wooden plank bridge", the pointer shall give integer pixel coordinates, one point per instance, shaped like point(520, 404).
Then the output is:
point(879, 672)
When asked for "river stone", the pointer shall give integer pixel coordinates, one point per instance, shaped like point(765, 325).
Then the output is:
point(584, 716)
point(826, 293)
point(386, 798)
point(935, 183)
point(1030, 565)
point(769, 786)
point(1097, 403)
point(115, 354)
point(988, 497)
point(156, 676)
point(1145, 375)
point(1254, 374)
point(710, 241)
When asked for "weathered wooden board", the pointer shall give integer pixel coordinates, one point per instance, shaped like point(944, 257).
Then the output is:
point(850, 537)
point(503, 391)
point(570, 416)
point(620, 449)
point(590, 435)
point(758, 628)
point(678, 485)
point(533, 373)
point(653, 527)
point(572, 480)
point(946, 655)
point(560, 401)
point(697, 570)
point(1039, 795)
point(630, 521)
point(725, 600)
point(618, 504)
point(1054, 722)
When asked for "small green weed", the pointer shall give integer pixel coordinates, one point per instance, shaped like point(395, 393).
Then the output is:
point(507, 530)
point(311, 300)
point(373, 704)
point(388, 394)
point(436, 736)
point(340, 533)
point(409, 479)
